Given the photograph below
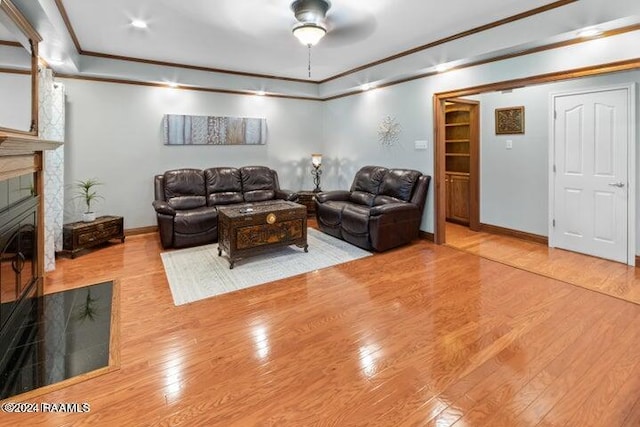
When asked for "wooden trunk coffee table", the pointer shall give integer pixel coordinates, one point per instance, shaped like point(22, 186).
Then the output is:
point(254, 228)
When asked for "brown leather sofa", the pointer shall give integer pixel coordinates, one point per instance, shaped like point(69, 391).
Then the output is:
point(382, 210)
point(186, 200)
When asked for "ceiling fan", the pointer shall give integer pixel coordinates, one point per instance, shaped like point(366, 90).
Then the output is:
point(342, 26)
point(311, 16)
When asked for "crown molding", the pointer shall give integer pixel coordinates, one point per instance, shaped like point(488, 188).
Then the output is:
point(10, 43)
point(590, 71)
point(456, 36)
point(193, 67)
point(467, 33)
point(16, 16)
point(67, 23)
point(180, 87)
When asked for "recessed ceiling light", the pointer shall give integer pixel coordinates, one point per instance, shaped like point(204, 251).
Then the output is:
point(366, 86)
point(138, 23)
point(261, 93)
point(441, 68)
point(590, 32)
point(172, 84)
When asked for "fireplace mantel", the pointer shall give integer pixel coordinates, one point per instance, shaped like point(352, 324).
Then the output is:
point(15, 144)
point(21, 154)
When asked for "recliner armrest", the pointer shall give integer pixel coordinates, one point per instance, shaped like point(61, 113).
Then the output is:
point(393, 208)
point(163, 207)
point(338, 195)
point(287, 195)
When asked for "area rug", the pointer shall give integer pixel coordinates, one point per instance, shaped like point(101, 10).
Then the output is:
point(198, 273)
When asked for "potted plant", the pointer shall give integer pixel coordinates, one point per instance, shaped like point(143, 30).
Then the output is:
point(85, 191)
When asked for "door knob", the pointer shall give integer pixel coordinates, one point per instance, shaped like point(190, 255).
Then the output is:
point(617, 184)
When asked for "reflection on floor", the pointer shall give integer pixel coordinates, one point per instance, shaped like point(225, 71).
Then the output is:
point(65, 334)
point(607, 277)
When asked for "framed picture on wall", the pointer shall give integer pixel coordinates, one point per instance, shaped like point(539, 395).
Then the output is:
point(509, 120)
point(213, 130)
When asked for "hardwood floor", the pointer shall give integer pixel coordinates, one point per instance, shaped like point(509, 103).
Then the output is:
point(600, 275)
point(418, 336)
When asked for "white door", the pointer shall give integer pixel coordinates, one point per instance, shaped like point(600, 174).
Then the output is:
point(591, 135)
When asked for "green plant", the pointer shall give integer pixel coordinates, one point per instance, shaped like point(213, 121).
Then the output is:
point(85, 191)
point(88, 309)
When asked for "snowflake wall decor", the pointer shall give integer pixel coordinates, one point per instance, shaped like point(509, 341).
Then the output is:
point(389, 131)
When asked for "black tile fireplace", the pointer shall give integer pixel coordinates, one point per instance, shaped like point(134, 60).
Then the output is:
point(20, 285)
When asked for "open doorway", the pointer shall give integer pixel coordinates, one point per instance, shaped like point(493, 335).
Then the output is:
point(457, 135)
point(517, 198)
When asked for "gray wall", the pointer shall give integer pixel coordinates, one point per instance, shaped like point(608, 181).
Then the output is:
point(514, 183)
point(15, 101)
point(114, 133)
point(351, 134)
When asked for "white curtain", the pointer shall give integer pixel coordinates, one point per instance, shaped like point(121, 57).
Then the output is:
point(51, 120)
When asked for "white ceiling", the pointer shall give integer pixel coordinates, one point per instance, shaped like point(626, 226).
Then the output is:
point(255, 35)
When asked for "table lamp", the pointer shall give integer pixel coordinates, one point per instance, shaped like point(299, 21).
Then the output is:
point(316, 162)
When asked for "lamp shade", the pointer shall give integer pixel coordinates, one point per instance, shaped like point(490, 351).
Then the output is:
point(316, 159)
point(309, 33)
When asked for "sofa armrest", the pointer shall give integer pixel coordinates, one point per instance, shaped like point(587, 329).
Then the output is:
point(393, 224)
point(286, 195)
point(162, 207)
point(338, 195)
point(394, 209)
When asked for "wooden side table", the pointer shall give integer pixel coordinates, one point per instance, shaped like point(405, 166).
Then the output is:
point(78, 236)
point(308, 198)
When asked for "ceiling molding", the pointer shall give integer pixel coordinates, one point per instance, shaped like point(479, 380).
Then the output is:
point(592, 70)
point(67, 23)
point(530, 51)
point(507, 20)
point(193, 67)
point(18, 18)
point(15, 71)
point(9, 43)
point(181, 87)
point(457, 36)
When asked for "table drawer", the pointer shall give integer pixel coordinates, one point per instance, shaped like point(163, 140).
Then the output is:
point(267, 234)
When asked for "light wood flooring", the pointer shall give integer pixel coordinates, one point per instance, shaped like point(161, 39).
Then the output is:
point(423, 335)
point(610, 278)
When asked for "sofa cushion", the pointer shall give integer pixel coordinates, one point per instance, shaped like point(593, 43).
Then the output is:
point(196, 220)
point(355, 219)
point(366, 185)
point(330, 212)
point(398, 184)
point(223, 185)
point(368, 179)
point(184, 188)
point(258, 183)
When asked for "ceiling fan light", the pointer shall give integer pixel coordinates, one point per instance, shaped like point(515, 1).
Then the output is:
point(309, 33)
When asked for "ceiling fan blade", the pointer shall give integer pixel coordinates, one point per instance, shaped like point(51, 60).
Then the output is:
point(344, 29)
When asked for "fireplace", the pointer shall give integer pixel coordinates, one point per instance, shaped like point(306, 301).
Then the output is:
point(21, 256)
point(19, 281)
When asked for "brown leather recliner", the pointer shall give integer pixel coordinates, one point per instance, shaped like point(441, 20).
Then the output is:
point(382, 210)
point(186, 200)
